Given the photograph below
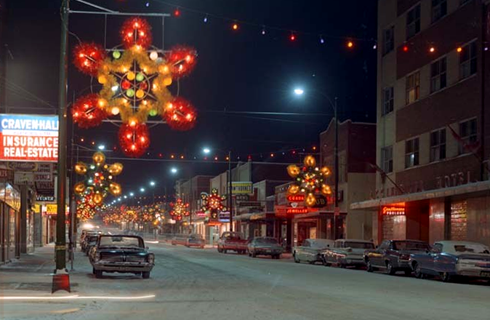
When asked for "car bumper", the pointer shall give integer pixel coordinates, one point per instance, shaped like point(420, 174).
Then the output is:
point(404, 264)
point(352, 261)
point(476, 272)
point(122, 267)
point(267, 252)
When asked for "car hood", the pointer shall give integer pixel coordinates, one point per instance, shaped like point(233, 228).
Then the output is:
point(267, 245)
point(126, 251)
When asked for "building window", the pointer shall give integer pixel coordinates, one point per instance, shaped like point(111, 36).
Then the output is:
point(388, 100)
point(438, 75)
point(439, 9)
point(438, 145)
point(467, 133)
point(413, 21)
point(387, 159)
point(388, 40)
point(467, 60)
point(411, 153)
point(413, 88)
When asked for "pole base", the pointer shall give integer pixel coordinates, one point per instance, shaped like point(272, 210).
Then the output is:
point(61, 280)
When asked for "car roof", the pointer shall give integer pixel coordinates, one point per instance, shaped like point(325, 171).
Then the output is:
point(320, 240)
point(354, 240)
point(453, 242)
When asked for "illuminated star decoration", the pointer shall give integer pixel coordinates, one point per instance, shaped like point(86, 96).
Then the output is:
point(179, 209)
point(134, 86)
point(309, 180)
point(212, 203)
point(98, 179)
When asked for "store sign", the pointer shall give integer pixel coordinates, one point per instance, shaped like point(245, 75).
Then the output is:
point(22, 166)
point(393, 211)
point(242, 197)
point(200, 214)
point(45, 191)
point(296, 210)
point(296, 198)
point(50, 209)
point(10, 195)
point(241, 187)
point(28, 138)
point(224, 216)
point(24, 178)
point(44, 173)
point(6, 174)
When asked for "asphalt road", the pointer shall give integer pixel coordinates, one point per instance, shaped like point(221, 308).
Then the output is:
point(203, 284)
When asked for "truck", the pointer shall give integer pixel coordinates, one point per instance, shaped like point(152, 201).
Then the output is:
point(232, 241)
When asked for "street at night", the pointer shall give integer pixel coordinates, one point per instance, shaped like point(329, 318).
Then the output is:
point(189, 283)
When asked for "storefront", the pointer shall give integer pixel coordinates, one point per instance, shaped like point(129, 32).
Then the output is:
point(455, 213)
point(9, 222)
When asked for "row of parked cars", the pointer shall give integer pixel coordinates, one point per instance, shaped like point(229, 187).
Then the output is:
point(117, 253)
point(444, 259)
point(235, 241)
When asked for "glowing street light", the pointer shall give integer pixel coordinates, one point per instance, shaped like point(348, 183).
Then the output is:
point(142, 189)
point(174, 170)
point(152, 183)
point(101, 147)
point(299, 91)
point(131, 194)
point(206, 150)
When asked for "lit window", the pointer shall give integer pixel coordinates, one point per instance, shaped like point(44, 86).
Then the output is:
point(412, 88)
point(411, 153)
point(467, 60)
point(438, 75)
point(438, 145)
point(413, 21)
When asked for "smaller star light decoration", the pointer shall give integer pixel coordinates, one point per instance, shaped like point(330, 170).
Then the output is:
point(135, 84)
point(309, 180)
point(179, 209)
point(98, 179)
point(212, 203)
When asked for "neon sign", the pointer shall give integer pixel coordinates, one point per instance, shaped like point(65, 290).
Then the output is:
point(394, 211)
point(297, 210)
point(296, 198)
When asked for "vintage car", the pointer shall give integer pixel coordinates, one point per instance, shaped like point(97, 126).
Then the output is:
point(311, 249)
point(346, 252)
point(267, 246)
point(232, 241)
point(84, 238)
point(448, 259)
point(123, 254)
point(394, 255)
point(193, 240)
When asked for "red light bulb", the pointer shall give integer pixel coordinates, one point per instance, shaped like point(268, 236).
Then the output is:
point(405, 48)
point(177, 12)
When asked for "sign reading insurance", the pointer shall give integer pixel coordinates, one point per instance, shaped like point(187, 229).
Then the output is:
point(28, 137)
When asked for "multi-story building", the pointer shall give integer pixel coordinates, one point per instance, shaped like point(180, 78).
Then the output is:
point(432, 121)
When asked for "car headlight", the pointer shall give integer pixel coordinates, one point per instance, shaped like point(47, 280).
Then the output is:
point(97, 256)
point(151, 258)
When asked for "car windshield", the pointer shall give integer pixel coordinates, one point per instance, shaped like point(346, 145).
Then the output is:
point(266, 240)
point(121, 242)
point(410, 245)
point(320, 244)
point(92, 238)
point(359, 245)
point(471, 248)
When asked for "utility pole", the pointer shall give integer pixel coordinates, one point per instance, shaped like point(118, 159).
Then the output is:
point(336, 169)
point(60, 247)
point(230, 192)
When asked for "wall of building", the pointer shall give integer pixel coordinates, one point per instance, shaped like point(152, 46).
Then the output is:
point(359, 222)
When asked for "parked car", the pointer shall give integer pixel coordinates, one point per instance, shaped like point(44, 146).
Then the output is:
point(265, 246)
point(234, 241)
point(311, 249)
point(84, 239)
point(346, 252)
point(394, 255)
point(90, 241)
point(448, 259)
point(193, 240)
point(121, 253)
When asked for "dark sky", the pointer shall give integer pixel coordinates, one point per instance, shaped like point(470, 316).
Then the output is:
point(236, 71)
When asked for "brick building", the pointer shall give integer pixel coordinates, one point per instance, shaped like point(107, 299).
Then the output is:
point(432, 121)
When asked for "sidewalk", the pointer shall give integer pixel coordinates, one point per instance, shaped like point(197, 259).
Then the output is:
point(32, 274)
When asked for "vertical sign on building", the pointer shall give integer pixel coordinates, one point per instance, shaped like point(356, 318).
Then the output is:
point(28, 138)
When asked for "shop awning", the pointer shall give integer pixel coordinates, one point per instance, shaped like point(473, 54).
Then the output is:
point(243, 217)
point(262, 216)
point(424, 195)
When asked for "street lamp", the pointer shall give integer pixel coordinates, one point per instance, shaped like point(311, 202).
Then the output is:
point(101, 147)
point(230, 200)
point(131, 194)
point(152, 183)
point(142, 189)
point(174, 170)
point(333, 104)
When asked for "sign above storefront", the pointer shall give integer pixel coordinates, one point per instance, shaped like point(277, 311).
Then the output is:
point(29, 138)
point(24, 178)
point(394, 211)
point(241, 187)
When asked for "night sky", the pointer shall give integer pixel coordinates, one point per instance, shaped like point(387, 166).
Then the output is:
point(237, 71)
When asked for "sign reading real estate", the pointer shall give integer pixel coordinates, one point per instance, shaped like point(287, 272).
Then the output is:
point(29, 137)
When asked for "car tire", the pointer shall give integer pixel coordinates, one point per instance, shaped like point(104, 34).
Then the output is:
point(342, 265)
point(224, 250)
point(446, 277)
point(325, 263)
point(294, 257)
point(249, 254)
point(220, 250)
point(98, 274)
point(93, 270)
point(389, 268)
point(417, 271)
point(146, 275)
point(254, 255)
point(369, 266)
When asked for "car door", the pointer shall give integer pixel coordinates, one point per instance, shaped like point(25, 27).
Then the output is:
point(377, 257)
point(435, 263)
point(303, 250)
